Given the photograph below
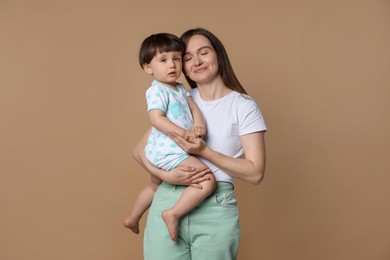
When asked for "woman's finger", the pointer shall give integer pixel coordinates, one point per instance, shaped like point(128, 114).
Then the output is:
point(200, 180)
point(196, 185)
point(200, 175)
point(180, 140)
point(186, 168)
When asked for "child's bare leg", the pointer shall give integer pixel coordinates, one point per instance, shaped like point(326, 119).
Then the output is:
point(190, 198)
point(141, 204)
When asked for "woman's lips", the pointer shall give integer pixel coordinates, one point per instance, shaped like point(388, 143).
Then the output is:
point(200, 70)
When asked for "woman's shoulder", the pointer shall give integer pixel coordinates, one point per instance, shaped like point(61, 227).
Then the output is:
point(194, 90)
point(242, 98)
point(194, 93)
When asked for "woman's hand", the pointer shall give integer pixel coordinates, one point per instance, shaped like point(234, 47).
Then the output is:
point(188, 176)
point(189, 144)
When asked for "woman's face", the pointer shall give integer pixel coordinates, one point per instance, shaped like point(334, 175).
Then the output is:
point(200, 60)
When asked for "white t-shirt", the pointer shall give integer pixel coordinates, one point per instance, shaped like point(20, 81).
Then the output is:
point(228, 118)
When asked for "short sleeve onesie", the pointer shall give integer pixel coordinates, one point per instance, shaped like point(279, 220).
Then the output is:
point(160, 149)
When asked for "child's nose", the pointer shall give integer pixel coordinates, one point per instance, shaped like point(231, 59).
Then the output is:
point(172, 64)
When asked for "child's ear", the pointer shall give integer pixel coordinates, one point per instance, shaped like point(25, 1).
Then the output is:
point(147, 69)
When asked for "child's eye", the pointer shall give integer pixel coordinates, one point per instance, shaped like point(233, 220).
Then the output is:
point(177, 59)
point(163, 60)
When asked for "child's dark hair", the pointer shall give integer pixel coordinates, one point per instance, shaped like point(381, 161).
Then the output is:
point(161, 42)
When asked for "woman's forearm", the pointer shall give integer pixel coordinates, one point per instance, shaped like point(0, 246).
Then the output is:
point(240, 168)
point(251, 168)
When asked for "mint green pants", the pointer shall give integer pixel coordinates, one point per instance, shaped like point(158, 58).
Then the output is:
point(209, 231)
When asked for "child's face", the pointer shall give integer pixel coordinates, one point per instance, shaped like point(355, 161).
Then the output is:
point(165, 67)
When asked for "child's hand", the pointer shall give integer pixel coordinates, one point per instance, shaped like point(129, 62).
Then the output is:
point(190, 133)
point(200, 131)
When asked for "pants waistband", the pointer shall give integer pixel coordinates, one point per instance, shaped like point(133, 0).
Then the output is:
point(221, 186)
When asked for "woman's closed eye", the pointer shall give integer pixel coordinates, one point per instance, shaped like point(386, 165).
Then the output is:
point(187, 58)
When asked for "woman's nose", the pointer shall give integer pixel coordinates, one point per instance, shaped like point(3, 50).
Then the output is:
point(197, 61)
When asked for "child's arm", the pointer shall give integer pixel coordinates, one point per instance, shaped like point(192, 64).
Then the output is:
point(161, 122)
point(199, 124)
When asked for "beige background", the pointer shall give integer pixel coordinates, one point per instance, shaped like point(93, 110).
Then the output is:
point(72, 108)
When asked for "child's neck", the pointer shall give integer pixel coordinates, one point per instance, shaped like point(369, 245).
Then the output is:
point(173, 85)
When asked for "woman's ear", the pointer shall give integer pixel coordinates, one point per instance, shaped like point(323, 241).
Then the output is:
point(147, 69)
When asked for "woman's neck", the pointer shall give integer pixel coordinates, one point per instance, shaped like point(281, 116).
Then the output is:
point(213, 90)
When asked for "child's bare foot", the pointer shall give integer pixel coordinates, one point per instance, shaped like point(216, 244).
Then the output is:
point(131, 224)
point(172, 223)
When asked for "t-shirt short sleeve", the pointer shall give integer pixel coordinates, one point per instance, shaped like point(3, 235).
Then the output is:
point(251, 119)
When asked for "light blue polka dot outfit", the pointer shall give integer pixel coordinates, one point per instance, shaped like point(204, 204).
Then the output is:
point(161, 150)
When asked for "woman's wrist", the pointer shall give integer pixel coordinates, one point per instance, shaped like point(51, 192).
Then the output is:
point(205, 152)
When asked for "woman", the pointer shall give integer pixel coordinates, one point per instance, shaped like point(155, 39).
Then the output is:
point(235, 127)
